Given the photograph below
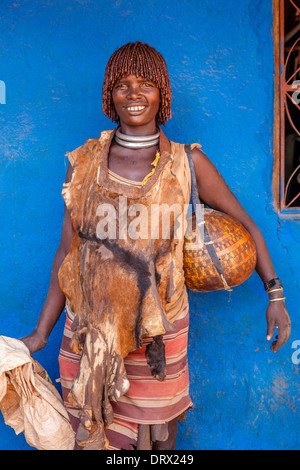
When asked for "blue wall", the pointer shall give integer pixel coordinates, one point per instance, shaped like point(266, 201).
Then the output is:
point(220, 59)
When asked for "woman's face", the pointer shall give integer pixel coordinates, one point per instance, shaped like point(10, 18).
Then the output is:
point(137, 102)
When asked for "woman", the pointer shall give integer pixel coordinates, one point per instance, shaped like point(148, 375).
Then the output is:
point(126, 300)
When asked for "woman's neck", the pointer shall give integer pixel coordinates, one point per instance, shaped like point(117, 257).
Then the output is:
point(147, 129)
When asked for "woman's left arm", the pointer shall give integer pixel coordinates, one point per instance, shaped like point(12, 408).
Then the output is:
point(214, 192)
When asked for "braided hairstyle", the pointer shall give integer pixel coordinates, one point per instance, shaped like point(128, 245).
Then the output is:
point(143, 61)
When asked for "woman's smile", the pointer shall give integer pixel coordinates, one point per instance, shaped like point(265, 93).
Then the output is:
point(135, 108)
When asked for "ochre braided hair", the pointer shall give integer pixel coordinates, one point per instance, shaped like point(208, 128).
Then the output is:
point(143, 61)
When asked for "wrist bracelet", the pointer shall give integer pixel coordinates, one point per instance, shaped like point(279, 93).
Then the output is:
point(275, 290)
point(276, 282)
point(275, 300)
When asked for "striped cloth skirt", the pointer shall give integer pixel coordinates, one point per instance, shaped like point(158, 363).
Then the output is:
point(148, 401)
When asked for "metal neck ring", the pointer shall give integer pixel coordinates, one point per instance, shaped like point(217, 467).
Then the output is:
point(137, 138)
point(136, 145)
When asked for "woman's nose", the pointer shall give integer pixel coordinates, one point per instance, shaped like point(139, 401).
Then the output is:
point(133, 92)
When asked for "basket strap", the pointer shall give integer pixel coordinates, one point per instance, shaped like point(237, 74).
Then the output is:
point(199, 218)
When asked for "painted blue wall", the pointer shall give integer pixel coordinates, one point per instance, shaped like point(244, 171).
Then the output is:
point(220, 59)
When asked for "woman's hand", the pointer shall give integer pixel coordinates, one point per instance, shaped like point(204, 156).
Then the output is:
point(35, 341)
point(277, 315)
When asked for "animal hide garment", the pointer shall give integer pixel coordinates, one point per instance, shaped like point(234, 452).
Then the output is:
point(118, 287)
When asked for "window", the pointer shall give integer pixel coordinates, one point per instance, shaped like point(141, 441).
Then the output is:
point(287, 106)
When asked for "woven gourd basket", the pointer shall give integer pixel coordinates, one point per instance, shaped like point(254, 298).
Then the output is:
point(233, 246)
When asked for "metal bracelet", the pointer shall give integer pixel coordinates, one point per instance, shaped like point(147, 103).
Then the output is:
point(275, 300)
point(275, 290)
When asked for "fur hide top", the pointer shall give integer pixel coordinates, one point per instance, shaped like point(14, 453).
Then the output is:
point(120, 287)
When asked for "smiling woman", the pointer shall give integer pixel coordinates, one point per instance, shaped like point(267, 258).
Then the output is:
point(123, 359)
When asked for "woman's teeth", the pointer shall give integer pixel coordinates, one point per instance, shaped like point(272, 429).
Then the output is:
point(135, 108)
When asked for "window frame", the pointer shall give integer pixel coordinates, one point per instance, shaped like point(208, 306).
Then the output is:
point(280, 89)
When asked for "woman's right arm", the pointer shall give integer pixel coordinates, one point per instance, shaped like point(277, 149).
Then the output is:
point(55, 300)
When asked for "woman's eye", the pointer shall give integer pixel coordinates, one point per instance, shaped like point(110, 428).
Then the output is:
point(120, 85)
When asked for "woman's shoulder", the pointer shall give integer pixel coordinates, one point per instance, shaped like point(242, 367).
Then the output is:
point(82, 152)
point(183, 146)
point(200, 158)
